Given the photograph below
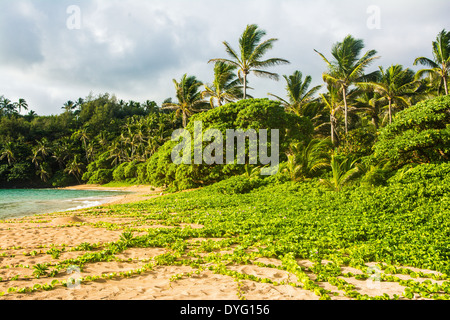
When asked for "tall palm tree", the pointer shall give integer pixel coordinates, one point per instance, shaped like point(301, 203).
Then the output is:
point(69, 106)
point(189, 98)
point(347, 67)
point(395, 85)
point(21, 104)
point(6, 106)
point(40, 152)
point(226, 87)
point(75, 168)
point(370, 102)
point(440, 64)
point(43, 172)
point(251, 52)
point(83, 135)
point(332, 101)
point(8, 152)
point(299, 94)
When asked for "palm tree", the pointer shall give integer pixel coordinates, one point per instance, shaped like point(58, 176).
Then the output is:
point(304, 160)
point(8, 153)
point(43, 172)
point(6, 106)
point(83, 135)
point(21, 104)
point(395, 85)
point(343, 172)
point(189, 98)
point(43, 147)
point(251, 51)
point(75, 168)
point(347, 68)
point(226, 87)
point(332, 103)
point(371, 103)
point(440, 65)
point(299, 94)
point(69, 106)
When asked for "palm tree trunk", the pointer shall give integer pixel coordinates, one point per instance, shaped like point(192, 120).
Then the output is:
point(375, 121)
point(390, 111)
point(245, 85)
point(344, 94)
point(445, 86)
point(332, 128)
point(184, 120)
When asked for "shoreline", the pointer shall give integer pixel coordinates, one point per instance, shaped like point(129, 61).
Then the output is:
point(136, 193)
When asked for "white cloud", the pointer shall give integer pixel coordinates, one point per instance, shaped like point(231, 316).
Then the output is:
point(135, 48)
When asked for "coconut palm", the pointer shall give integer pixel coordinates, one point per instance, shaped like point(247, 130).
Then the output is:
point(333, 103)
point(21, 104)
point(40, 152)
point(299, 94)
point(226, 87)
point(370, 103)
point(395, 85)
point(6, 106)
point(8, 153)
point(43, 172)
point(75, 168)
point(189, 98)
point(69, 106)
point(305, 160)
point(439, 66)
point(343, 172)
point(251, 52)
point(347, 67)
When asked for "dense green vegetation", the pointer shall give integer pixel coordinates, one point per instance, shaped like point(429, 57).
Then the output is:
point(366, 125)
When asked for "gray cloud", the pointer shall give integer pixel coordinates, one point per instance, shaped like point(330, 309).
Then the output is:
point(135, 48)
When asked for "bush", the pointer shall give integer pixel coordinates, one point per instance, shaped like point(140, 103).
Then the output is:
point(419, 134)
point(119, 172)
point(102, 163)
point(236, 185)
point(130, 170)
point(141, 172)
point(439, 172)
point(246, 114)
point(60, 179)
point(101, 176)
point(358, 143)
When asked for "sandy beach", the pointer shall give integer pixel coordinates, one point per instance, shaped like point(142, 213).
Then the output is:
point(137, 193)
point(29, 241)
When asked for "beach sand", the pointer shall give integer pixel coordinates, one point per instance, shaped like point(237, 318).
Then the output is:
point(25, 242)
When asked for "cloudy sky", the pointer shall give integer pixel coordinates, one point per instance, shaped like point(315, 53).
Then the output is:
point(53, 51)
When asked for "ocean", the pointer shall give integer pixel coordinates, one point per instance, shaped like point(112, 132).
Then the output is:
point(27, 202)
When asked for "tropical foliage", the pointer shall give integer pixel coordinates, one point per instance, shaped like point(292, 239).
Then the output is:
point(388, 115)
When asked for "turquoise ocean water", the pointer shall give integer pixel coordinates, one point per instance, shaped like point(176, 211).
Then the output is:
point(26, 202)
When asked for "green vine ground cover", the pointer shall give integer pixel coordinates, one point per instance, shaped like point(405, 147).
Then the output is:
point(399, 227)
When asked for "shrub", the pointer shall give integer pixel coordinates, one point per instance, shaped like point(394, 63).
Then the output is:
point(419, 134)
point(246, 114)
point(410, 174)
point(358, 143)
point(61, 179)
point(101, 176)
point(130, 170)
point(119, 172)
point(236, 185)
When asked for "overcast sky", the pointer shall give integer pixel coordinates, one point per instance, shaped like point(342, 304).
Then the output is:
point(134, 48)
